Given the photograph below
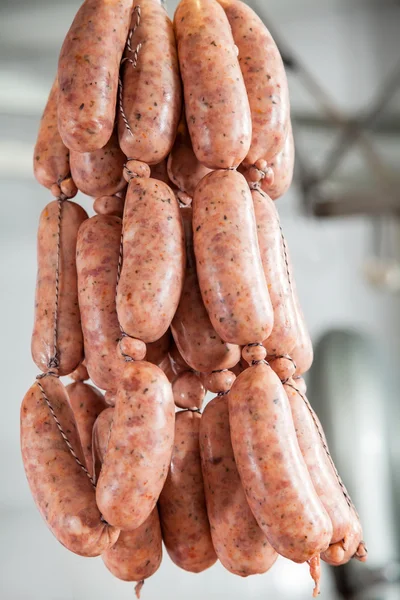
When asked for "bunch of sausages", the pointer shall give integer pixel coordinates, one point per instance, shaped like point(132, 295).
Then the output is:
point(181, 283)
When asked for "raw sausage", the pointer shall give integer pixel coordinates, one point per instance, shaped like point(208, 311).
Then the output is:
point(99, 173)
point(282, 165)
point(153, 260)
point(62, 491)
point(97, 258)
point(51, 156)
point(140, 446)
point(57, 341)
point(302, 353)
point(100, 438)
point(320, 466)
point(274, 475)
point(184, 523)
point(229, 266)
point(216, 104)
point(274, 256)
point(86, 403)
point(157, 351)
point(109, 205)
point(265, 79)
point(88, 73)
point(184, 170)
point(160, 172)
point(151, 90)
point(340, 553)
point(195, 337)
point(188, 390)
point(240, 544)
point(80, 373)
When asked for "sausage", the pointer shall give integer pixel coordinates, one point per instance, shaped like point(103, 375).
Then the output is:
point(184, 170)
point(100, 438)
point(178, 363)
point(216, 104)
point(265, 79)
point(274, 256)
point(109, 205)
point(80, 373)
point(182, 506)
point(194, 335)
point(86, 403)
point(160, 172)
point(316, 455)
point(99, 173)
point(97, 256)
point(88, 70)
point(340, 553)
point(274, 475)
point(57, 341)
point(157, 351)
point(240, 544)
point(51, 156)
point(62, 491)
point(153, 260)
point(282, 165)
point(302, 353)
point(140, 446)
point(229, 266)
point(151, 90)
point(188, 390)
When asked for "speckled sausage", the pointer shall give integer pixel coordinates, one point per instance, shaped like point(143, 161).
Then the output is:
point(240, 544)
point(340, 553)
point(109, 205)
point(151, 92)
point(274, 256)
point(274, 475)
point(99, 173)
point(265, 79)
point(69, 339)
point(282, 165)
point(302, 353)
point(182, 505)
point(197, 341)
point(86, 403)
point(88, 70)
point(160, 172)
point(140, 446)
point(62, 491)
point(216, 103)
point(100, 438)
point(153, 260)
point(229, 266)
point(188, 390)
point(51, 156)
point(97, 257)
point(320, 466)
point(184, 170)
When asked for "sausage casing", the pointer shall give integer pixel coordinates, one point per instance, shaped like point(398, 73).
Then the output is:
point(57, 340)
point(140, 446)
point(216, 104)
point(100, 438)
point(182, 506)
point(240, 544)
point(274, 475)
point(229, 266)
point(153, 260)
point(97, 256)
point(62, 491)
point(265, 79)
point(282, 165)
point(197, 341)
point(151, 91)
point(88, 70)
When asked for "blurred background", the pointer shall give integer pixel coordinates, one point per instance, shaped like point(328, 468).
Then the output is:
point(341, 221)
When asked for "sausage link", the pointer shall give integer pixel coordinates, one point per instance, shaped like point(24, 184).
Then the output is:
point(184, 170)
point(140, 446)
point(229, 266)
point(51, 156)
point(151, 91)
point(88, 73)
point(282, 166)
point(157, 351)
point(160, 172)
point(86, 403)
point(198, 342)
point(302, 353)
point(100, 438)
point(216, 104)
point(265, 79)
point(188, 390)
point(240, 544)
point(97, 258)
point(274, 256)
point(182, 506)
point(80, 373)
point(153, 260)
point(320, 466)
point(340, 553)
point(109, 205)
point(177, 362)
point(57, 341)
point(274, 475)
point(62, 491)
point(99, 173)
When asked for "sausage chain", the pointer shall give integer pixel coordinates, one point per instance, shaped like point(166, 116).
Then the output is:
point(179, 285)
